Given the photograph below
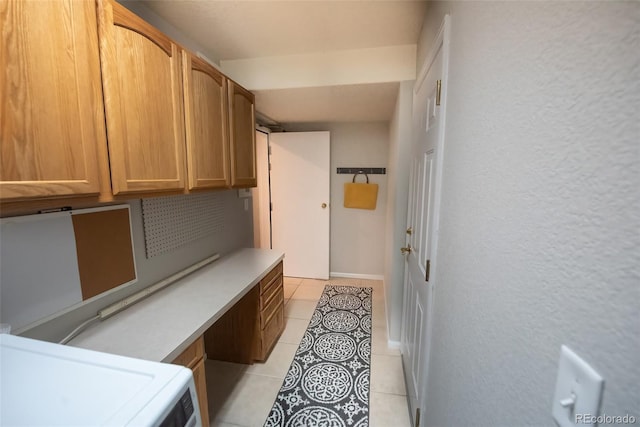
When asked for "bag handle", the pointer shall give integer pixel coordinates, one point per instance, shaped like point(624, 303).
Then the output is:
point(358, 173)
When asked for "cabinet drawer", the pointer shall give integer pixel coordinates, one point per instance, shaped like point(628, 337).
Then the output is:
point(277, 271)
point(270, 292)
point(191, 355)
point(272, 331)
point(271, 309)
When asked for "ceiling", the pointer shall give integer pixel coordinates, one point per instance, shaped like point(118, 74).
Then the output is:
point(232, 30)
point(357, 103)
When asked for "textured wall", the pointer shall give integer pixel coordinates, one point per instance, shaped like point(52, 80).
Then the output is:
point(539, 243)
point(357, 235)
point(397, 197)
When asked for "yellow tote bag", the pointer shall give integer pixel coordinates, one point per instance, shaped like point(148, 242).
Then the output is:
point(360, 195)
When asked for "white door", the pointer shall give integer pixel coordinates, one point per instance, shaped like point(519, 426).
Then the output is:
point(300, 201)
point(421, 225)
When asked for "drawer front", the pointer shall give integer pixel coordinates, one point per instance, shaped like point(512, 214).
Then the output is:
point(277, 271)
point(270, 291)
point(271, 308)
point(191, 355)
point(272, 331)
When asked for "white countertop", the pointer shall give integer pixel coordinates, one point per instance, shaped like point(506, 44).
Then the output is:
point(163, 325)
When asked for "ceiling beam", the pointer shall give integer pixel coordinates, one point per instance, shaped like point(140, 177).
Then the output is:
point(344, 67)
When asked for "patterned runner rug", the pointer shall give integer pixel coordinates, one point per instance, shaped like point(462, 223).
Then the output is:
point(328, 381)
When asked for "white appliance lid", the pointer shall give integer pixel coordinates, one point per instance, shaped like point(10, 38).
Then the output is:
point(51, 384)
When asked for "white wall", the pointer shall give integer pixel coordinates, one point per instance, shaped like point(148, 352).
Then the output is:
point(397, 195)
point(539, 243)
point(357, 235)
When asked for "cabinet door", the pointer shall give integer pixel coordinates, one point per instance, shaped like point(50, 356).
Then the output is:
point(50, 99)
point(205, 105)
point(143, 102)
point(200, 379)
point(242, 136)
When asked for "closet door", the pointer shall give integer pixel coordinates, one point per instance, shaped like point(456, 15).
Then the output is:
point(143, 102)
point(242, 128)
point(50, 99)
point(207, 136)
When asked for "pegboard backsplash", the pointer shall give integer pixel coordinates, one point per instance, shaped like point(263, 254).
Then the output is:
point(173, 221)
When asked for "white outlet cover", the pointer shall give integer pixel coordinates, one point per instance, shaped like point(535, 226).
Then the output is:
point(576, 378)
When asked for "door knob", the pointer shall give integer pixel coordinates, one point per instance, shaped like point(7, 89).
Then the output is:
point(406, 250)
point(324, 205)
point(409, 231)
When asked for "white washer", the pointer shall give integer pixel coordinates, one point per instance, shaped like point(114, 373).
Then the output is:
point(51, 384)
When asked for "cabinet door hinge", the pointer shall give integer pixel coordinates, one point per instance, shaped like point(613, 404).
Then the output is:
point(417, 424)
point(438, 91)
point(428, 270)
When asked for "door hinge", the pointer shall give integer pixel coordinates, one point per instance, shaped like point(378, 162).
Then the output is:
point(269, 150)
point(428, 270)
point(269, 166)
point(270, 206)
point(417, 424)
point(438, 91)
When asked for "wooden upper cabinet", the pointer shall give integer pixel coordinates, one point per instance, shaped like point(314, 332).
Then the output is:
point(50, 99)
point(205, 102)
point(142, 83)
point(242, 136)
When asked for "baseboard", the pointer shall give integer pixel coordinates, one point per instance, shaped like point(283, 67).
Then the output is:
point(357, 276)
point(396, 345)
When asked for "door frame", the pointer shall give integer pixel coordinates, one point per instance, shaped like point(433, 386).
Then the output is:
point(442, 43)
point(261, 196)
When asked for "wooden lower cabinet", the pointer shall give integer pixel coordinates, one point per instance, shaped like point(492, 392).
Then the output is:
point(193, 358)
point(200, 379)
point(271, 312)
point(250, 329)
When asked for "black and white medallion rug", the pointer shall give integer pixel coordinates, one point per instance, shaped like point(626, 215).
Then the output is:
point(327, 384)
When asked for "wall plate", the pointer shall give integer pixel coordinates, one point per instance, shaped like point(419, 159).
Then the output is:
point(576, 400)
point(244, 192)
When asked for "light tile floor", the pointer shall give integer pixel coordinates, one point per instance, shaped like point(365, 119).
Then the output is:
point(242, 395)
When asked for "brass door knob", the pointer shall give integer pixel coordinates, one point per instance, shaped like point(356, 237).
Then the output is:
point(324, 205)
point(406, 250)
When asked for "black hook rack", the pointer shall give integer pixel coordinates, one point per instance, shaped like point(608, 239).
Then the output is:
point(368, 171)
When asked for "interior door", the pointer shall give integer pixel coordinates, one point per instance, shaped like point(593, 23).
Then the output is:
point(300, 201)
point(420, 246)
